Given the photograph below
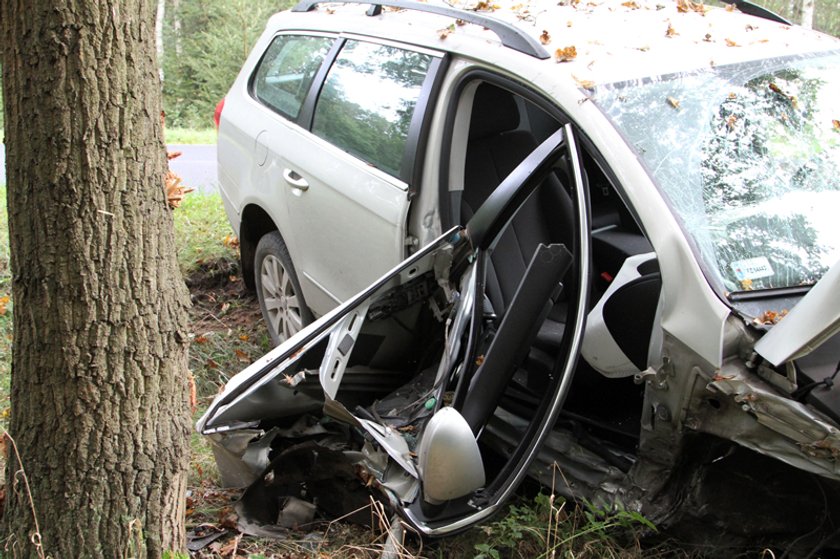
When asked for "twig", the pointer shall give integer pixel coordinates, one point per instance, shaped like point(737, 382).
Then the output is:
point(35, 538)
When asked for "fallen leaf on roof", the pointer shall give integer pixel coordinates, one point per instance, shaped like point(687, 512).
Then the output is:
point(545, 38)
point(585, 84)
point(750, 27)
point(630, 4)
point(708, 37)
point(730, 7)
point(836, 124)
point(460, 22)
point(485, 6)
point(732, 95)
point(643, 48)
point(673, 102)
point(446, 31)
point(746, 285)
point(686, 6)
point(671, 32)
point(565, 54)
point(731, 43)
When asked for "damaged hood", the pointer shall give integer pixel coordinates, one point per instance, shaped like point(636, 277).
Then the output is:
point(811, 322)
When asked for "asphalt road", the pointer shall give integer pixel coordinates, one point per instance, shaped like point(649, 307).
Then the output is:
point(197, 166)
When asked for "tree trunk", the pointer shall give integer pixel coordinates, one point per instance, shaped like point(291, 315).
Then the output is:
point(159, 17)
point(807, 14)
point(99, 389)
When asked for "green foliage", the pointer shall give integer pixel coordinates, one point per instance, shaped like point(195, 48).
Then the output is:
point(205, 45)
point(549, 526)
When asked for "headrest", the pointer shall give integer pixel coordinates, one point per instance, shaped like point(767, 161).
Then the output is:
point(494, 112)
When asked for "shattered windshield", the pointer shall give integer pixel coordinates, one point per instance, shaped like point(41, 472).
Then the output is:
point(748, 156)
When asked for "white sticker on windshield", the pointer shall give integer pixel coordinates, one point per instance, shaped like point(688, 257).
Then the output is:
point(752, 268)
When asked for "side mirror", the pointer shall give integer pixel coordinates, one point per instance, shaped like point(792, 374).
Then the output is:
point(449, 459)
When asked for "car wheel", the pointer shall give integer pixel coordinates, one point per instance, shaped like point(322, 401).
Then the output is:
point(281, 300)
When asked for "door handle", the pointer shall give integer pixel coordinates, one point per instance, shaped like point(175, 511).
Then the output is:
point(295, 179)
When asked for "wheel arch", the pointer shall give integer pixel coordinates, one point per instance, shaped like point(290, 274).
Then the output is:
point(254, 224)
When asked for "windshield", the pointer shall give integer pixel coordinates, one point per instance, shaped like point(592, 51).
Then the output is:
point(748, 156)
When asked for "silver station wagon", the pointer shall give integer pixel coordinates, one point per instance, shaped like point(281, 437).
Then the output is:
point(594, 242)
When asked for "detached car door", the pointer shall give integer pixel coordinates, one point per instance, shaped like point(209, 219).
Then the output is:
point(345, 171)
point(418, 374)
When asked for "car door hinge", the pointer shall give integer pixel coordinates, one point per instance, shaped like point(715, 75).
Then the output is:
point(411, 241)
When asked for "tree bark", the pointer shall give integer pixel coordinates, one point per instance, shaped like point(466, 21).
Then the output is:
point(99, 390)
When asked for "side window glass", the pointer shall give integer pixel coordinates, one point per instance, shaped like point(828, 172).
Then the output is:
point(286, 71)
point(368, 101)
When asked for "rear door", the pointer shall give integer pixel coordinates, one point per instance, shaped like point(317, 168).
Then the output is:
point(345, 173)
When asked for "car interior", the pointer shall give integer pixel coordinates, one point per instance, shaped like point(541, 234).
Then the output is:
point(504, 128)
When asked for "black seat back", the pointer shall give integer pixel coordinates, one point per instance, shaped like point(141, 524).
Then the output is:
point(497, 144)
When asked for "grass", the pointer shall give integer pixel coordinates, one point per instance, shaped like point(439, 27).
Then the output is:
point(203, 233)
point(190, 136)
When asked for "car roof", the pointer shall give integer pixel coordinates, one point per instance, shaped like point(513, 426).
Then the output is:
point(594, 42)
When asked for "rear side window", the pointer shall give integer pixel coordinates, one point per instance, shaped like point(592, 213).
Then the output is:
point(286, 71)
point(368, 101)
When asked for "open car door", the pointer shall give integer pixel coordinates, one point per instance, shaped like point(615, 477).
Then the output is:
point(417, 382)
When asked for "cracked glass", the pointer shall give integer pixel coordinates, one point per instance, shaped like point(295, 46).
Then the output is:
point(748, 157)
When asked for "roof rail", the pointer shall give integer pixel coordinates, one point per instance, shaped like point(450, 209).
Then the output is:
point(511, 36)
point(758, 11)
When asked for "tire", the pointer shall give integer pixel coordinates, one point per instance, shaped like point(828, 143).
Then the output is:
point(278, 290)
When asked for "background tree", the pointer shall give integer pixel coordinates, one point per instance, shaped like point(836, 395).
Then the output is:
point(99, 390)
point(823, 15)
point(206, 42)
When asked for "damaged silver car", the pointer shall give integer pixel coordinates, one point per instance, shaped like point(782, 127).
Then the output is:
point(634, 283)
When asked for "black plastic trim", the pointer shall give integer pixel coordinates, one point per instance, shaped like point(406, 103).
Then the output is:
point(758, 11)
point(510, 36)
point(307, 110)
point(411, 169)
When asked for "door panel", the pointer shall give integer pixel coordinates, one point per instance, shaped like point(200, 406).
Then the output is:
point(345, 184)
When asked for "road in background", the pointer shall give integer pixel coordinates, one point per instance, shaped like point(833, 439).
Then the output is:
point(197, 166)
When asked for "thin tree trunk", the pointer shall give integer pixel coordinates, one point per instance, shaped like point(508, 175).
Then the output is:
point(99, 390)
point(159, 17)
point(807, 14)
point(176, 25)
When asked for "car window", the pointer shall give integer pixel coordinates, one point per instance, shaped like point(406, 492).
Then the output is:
point(286, 71)
point(368, 101)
